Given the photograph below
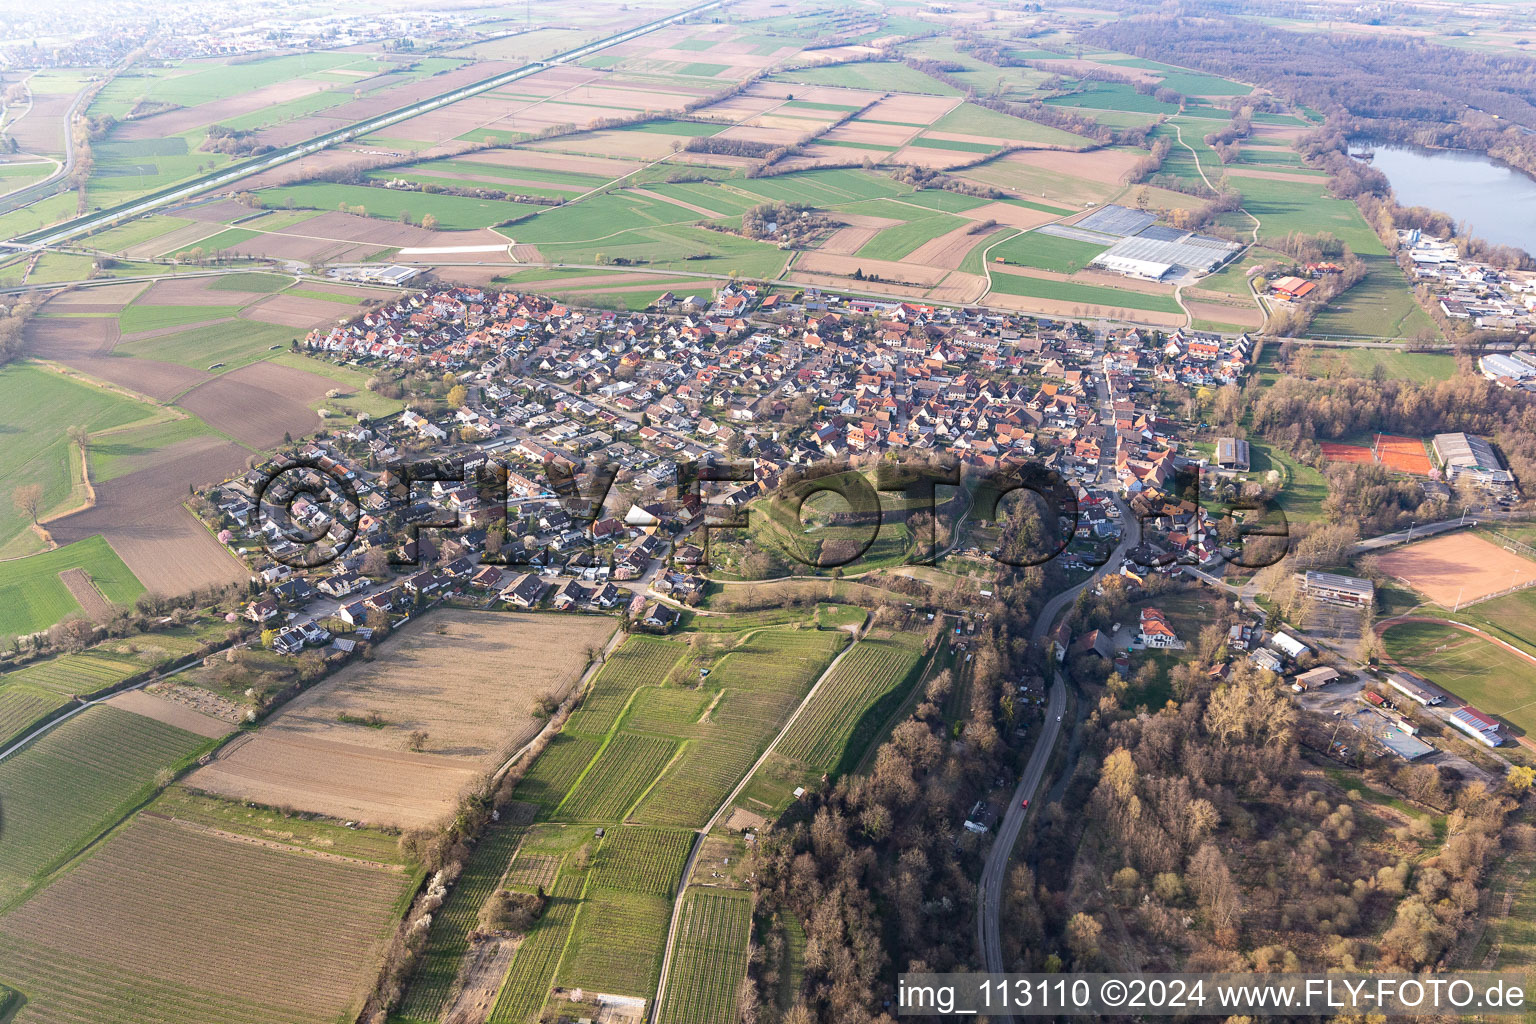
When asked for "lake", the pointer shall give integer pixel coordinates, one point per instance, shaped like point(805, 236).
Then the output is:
point(1497, 201)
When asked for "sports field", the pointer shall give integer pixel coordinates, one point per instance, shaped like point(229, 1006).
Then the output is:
point(1402, 453)
point(1478, 671)
point(1457, 569)
point(1334, 451)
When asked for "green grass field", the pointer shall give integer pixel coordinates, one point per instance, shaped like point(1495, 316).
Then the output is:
point(298, 829)
point(58, 267)
point(1302, 489)
point(884, 76)
point(1088, 295)
point(38, 215)
point(357, 399)
point(37, 408)
point(110, 662)
point(970, 119)
point(896, 243)
point(1048, 252)
point(1382, 305)
point(452, 212)
point(137, 318)
point(449, 169)
point(65, 788)
point(32, 597)
point(1422, 367)
point(1483, 674)
point(222, 243)
point(249, 281)
point(225, 345)
point(1098, 96)
point(1511, 618)
point(114, 453)
point(135, 232)
point(1284, 207)
point(644, 231)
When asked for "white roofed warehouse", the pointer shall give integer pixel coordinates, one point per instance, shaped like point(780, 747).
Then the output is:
point(1461, 454)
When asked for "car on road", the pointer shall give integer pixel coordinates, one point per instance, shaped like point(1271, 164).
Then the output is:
point(1025, 804)
point(1058, 718)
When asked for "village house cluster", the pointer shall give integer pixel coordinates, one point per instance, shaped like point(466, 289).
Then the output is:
point(768, 383)
point(1492, 299)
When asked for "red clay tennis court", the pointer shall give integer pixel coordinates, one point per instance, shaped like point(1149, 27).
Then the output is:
point(1403, 453)
point(1335, 452)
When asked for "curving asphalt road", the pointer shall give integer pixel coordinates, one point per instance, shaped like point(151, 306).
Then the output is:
point(993, 875)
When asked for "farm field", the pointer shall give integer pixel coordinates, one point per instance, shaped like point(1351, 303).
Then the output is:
point(431, 985)
point(624, 769)
point(1479, 672)
point(612, 897)
point(269, 824)
point(759, 683)
point(881, 76)
point(1087, 295)
point(123, 450)
point(451, 212)
point(32, 691)
point(1283, 207)
point(21, 706)
point(320, 754)
point(1381, 305)
point(34, 597)
point(710, 958)
point(75, 781)
point(677, 750)
point(640, 661)
point(830, 727)
point(1047, 252)
point(109, 940)
point(621, 927)
point(37, 407)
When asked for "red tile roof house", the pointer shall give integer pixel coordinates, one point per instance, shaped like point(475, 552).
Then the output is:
point(1156, 633)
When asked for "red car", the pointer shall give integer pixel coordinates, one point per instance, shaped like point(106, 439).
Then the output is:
point(1025, 804)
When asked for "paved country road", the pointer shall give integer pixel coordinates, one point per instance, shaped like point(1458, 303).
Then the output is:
point(994, 874)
